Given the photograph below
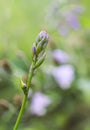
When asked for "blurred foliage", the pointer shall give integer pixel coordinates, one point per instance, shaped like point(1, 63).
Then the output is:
point(20, 22)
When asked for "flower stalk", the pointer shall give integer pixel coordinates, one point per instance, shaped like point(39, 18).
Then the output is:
point(38, 57)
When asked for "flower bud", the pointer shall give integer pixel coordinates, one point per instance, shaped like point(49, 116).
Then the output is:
point(41, 40)
point(40, 60)
point(34, 50)
point(42, 36)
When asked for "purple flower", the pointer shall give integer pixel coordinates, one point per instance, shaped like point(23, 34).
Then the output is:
point(39, 103)
point(64, 75)
point(65, 16)
point(60, 56)
point(72, 20)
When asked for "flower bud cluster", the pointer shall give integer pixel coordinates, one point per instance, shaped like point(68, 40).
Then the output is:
point(39, 48)
point(39, 55)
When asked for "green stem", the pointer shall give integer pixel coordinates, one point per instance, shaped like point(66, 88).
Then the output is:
point(38, 57)
point(25, 97)
point(20, 113)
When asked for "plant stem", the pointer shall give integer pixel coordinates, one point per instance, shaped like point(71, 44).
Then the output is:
point(37, 59)
point(25, 97)
point(20, 113)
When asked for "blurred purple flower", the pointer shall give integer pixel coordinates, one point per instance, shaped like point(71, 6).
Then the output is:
point(39, 103)
point(72, 21)
point(78, 9)
point(60, 56)
point(65, 16)
point(64, 75)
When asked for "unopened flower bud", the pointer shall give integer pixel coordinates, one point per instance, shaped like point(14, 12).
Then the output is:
point(39, 49)
point(40, 60)
point(42, 40)
point(34, 50)
point(42, 36)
